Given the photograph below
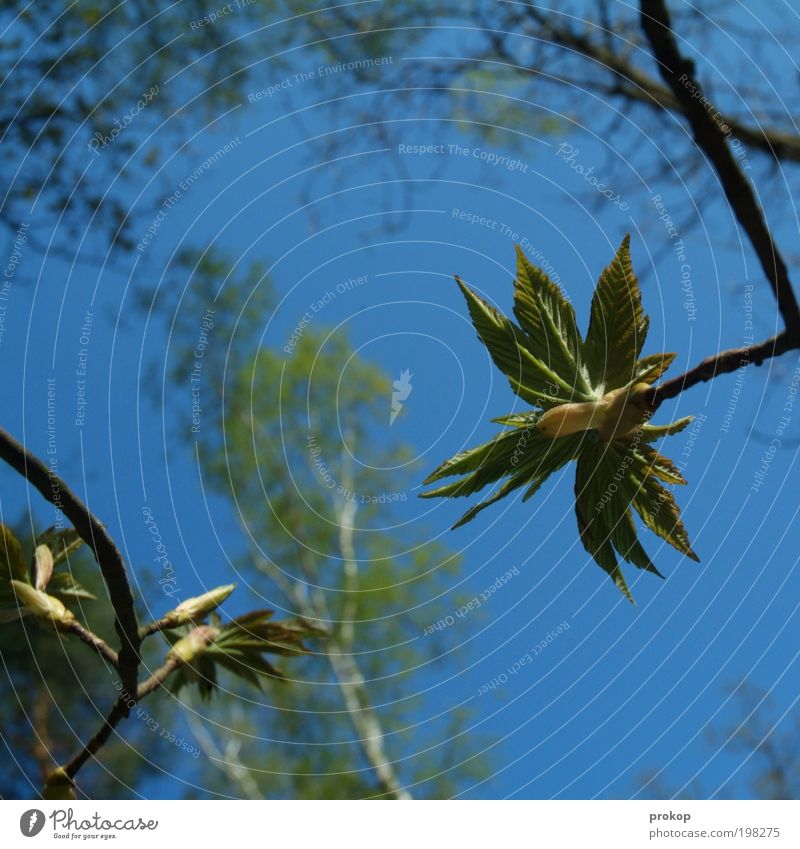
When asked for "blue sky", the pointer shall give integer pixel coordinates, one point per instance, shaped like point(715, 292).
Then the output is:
point(623, 689)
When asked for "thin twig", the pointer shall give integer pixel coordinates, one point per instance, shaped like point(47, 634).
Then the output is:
point(120, 710)
point(157, 678)
point(94, 642)
point(634, 84)
point(723, 363)
point(40, 715)
point(154, 627)
point(227, 761)
point(95, 535)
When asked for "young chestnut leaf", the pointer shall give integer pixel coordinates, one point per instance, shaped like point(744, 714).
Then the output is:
point(239, 646)
point(590, 404)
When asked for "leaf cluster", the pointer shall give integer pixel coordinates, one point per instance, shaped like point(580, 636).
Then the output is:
point(589, 404)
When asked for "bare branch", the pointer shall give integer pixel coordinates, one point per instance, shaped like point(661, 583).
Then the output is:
point(723, 363)
point(118, 712)
point(154, 627)
point(635, 84)
point(92, 640)
point(678, 74)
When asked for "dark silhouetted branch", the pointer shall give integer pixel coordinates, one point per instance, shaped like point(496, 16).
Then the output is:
point(678, 73)
point(635, 84)
point(118, 712)
point(723, 363)
point(94, 534)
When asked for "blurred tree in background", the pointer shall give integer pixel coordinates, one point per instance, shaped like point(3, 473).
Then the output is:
point(298, 446)
point(768, 740)
point(83, 73)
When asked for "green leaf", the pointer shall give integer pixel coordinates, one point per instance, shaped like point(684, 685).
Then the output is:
point(509, 486)
point(626, 542)
point(650, 433)
point(63, 585)
point(548, 320)
point(239, 647)
point(59, 786)
point(651, 367)
point(529, 377)
point(589, 492)
point(658, 509)
point(513, 452)
point(12, 558)
point(248, 667)
point(660, 466)
point(617, 326)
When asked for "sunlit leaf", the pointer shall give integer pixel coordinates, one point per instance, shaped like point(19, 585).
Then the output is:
point(650, 433)
point(548, 320)
point(617, 326)
point(238, 647)
point(12, 558)
point(529, 377)
point(61, 543)
point(601, 421)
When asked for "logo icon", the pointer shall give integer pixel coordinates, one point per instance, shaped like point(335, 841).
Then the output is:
point(31, 822)
point(402, 389)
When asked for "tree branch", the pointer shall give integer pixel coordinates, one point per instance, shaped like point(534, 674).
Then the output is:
point(157, 678)
point(637, 85)
point(94, 534)
point(120, 710)
point(678, 74)
point(723, 363)
point(154, 627)
point(93, 641)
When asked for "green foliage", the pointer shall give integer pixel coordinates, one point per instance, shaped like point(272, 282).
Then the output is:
point(590, 400)
point(22, 590)
point(55, 690)
point(239, 647)
point(617, 326)
point(198, 650)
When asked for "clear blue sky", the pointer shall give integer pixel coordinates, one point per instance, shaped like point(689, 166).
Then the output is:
point(623, 689)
